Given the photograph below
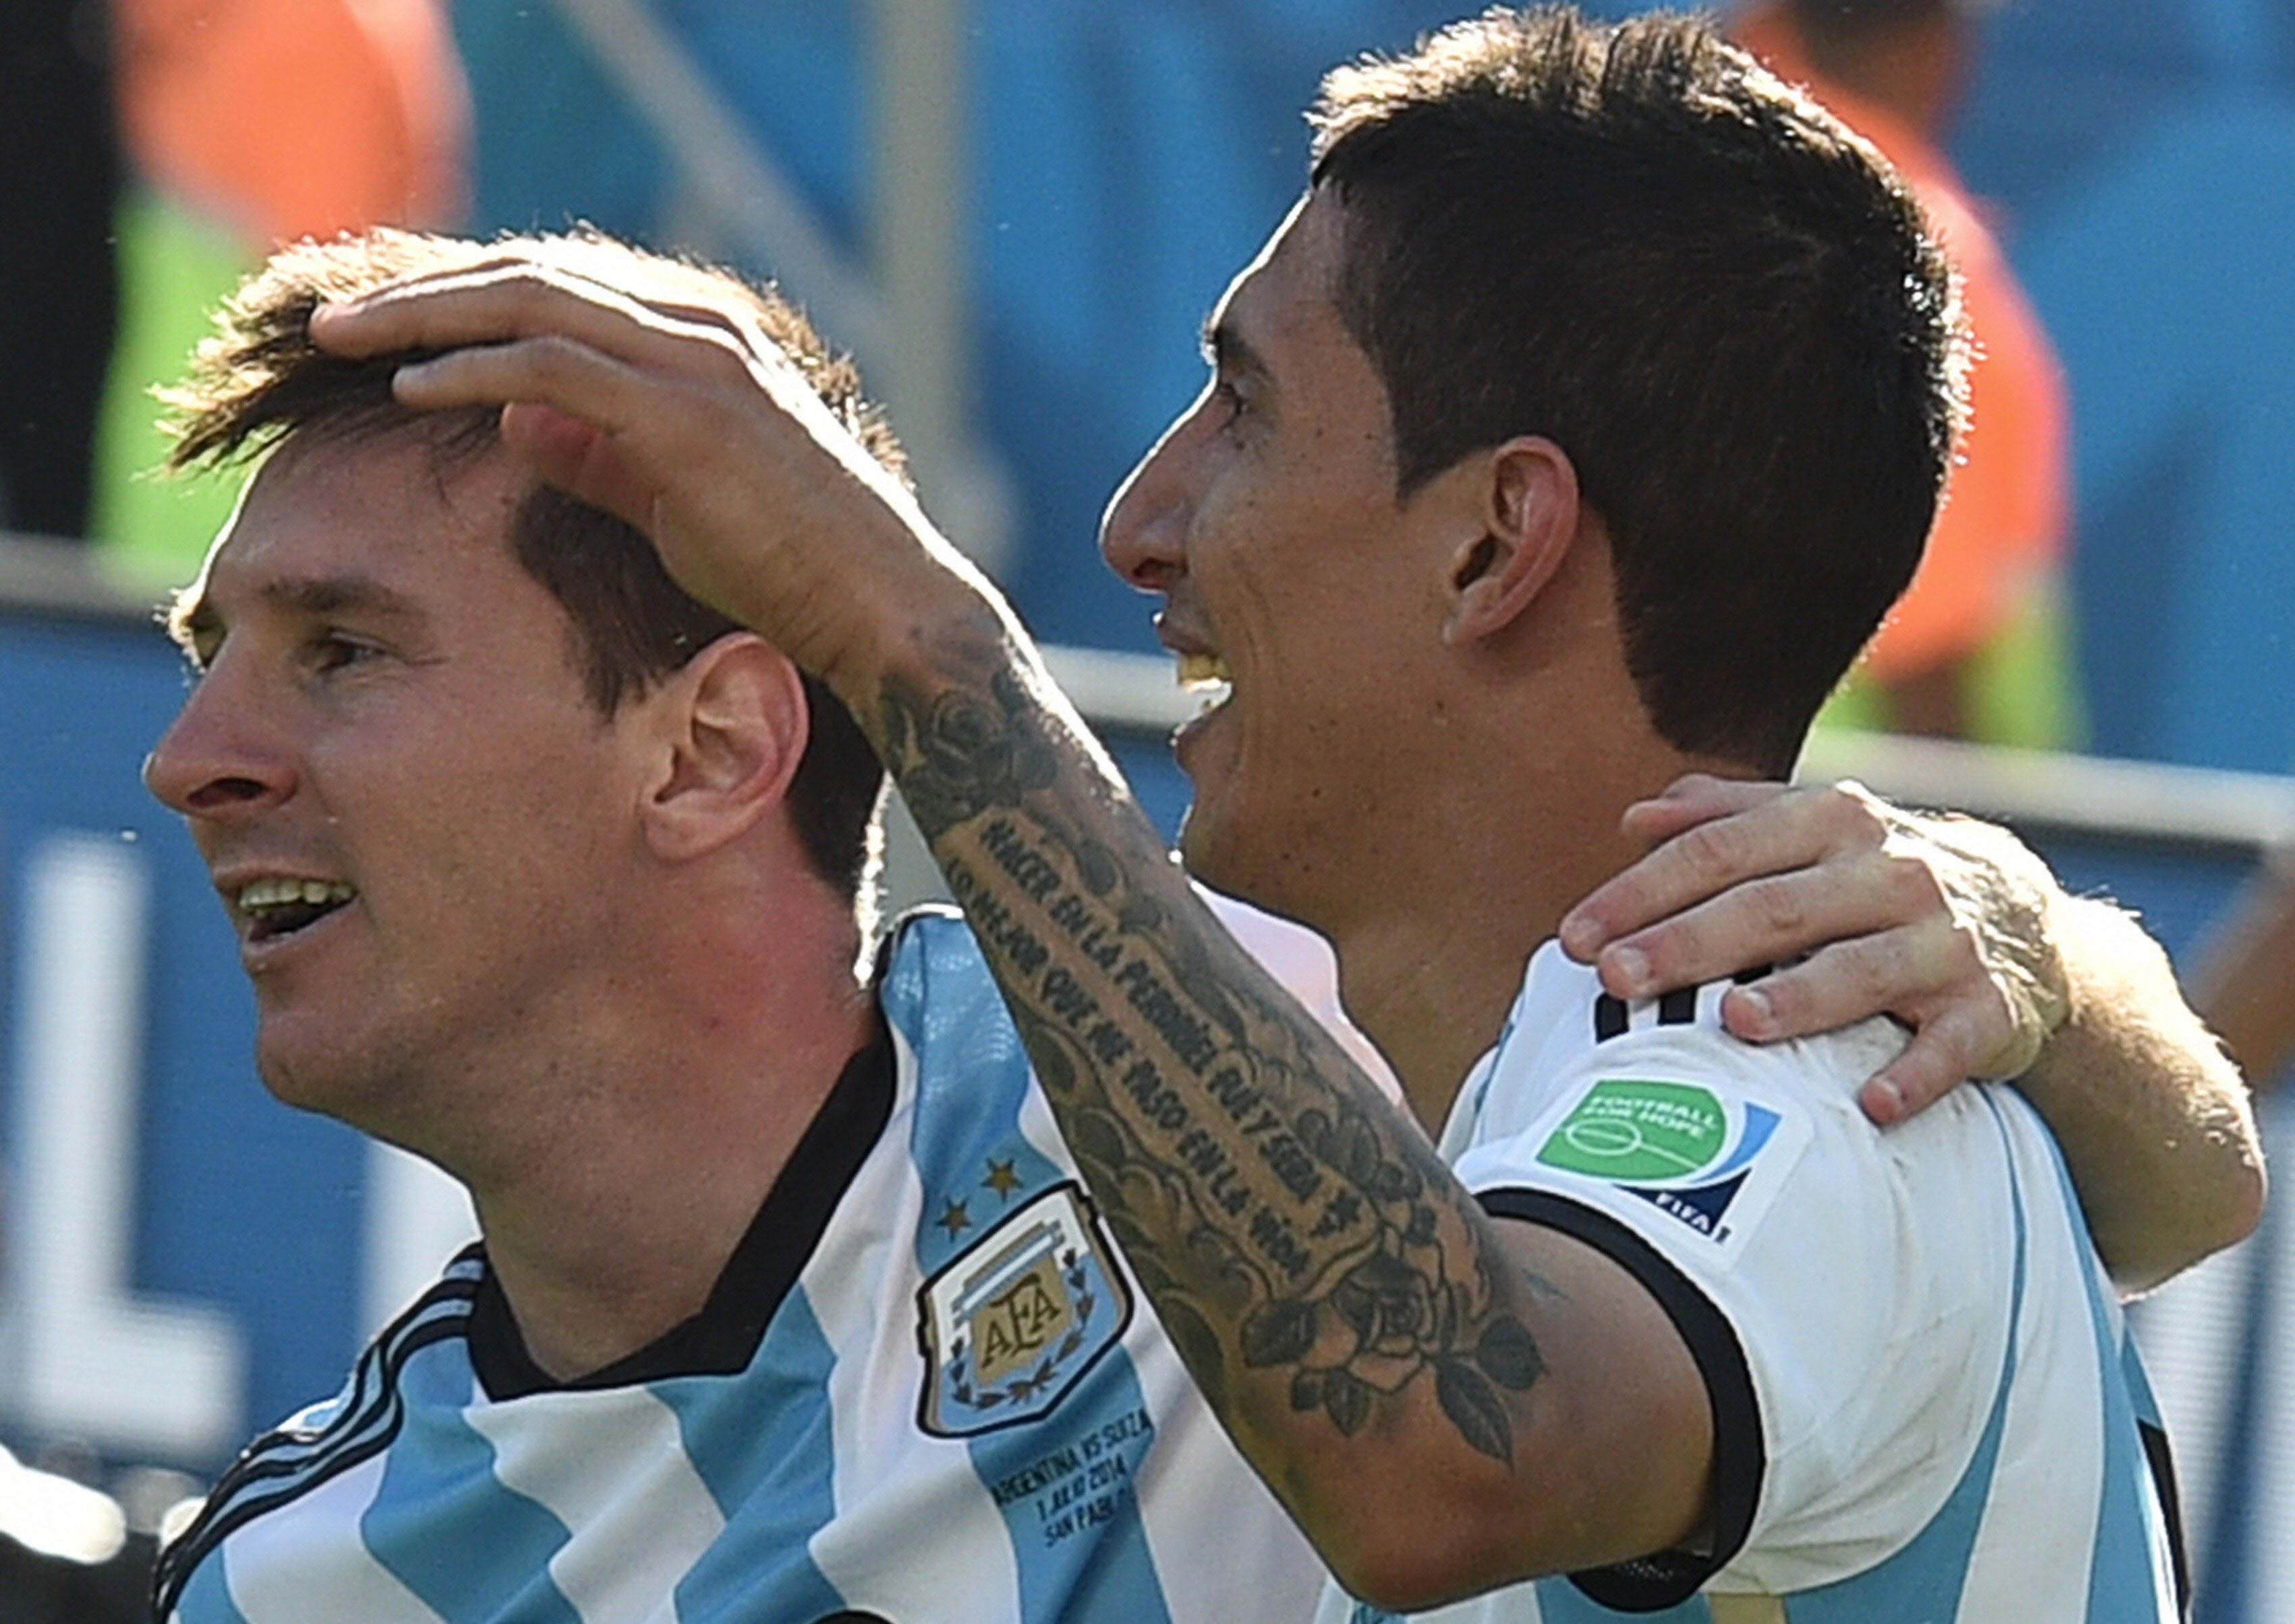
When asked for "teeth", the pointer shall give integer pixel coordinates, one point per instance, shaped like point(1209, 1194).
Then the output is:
point(1202, 670)
point(280, 893)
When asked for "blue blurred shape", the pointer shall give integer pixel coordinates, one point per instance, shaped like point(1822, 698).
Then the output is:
point(2163, 279)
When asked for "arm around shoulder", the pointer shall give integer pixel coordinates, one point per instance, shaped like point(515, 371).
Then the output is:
point(1955, 927)
point(2152, 1118)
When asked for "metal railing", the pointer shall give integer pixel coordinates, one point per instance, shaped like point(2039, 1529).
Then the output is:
point(2202, 812)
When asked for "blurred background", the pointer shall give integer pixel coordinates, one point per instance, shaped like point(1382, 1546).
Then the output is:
point(1017, 213)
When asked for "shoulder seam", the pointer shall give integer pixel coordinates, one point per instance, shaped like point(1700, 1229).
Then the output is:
point(301, 1462)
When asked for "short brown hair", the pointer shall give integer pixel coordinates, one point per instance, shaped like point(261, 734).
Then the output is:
point(259, 380)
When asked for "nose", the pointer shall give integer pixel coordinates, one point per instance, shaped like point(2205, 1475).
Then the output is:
point(1143, 536)
point(216, 761)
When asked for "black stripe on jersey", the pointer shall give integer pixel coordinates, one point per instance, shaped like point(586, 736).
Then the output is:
point(439, 1311)
point(1666, 1578)
point(287, 1449)
point(365, 1426)
point(1614, 1016)
point(2157, 1455)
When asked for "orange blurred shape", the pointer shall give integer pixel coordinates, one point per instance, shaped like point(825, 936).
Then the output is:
point(288, 118)
point(2006, 508)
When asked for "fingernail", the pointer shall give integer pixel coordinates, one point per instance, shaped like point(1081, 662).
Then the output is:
point(1631, 965)
point(1756, 1010)
point(1580, 937)
point(1889, 1099)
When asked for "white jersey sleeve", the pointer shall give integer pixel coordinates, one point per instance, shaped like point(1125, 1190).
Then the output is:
point(1848, 1294)
point(1924, 1402)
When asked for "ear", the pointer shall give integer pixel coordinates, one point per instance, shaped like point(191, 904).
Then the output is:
point(1529, 514)
point(730, 728)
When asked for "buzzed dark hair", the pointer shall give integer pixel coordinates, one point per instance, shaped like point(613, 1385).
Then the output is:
point(1721, 304)
point(259, 380)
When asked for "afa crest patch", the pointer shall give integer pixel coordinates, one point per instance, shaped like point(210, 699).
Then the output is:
point(1711, 1161)
point(1009, 1328)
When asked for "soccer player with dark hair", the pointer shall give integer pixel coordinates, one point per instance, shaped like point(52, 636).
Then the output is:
point(572, 951)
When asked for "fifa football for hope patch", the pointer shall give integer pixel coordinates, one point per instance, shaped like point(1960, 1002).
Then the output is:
point(1710, 1161)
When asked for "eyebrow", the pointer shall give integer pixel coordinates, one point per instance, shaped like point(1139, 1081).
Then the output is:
point(1227, 349)
point(194, 615)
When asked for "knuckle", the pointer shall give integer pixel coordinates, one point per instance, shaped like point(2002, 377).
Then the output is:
point(709, 418)
point(1949, 1027)
point(1781, 907)
point(1875, 967)
point(1846, 814)
point(1990, 1031)
point(1710, 849)
point(1909, 884)
point(726, 359)
point(519, 283)
point(1960, 959)
point(1963, 1054)
point(1852, 981)
point(553, 357)
point(1864, 822)
point(1984, 1043)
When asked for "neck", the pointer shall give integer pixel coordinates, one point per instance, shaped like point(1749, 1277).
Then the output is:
point(640, 1151)
point(1515, 815)
point(1431, 974)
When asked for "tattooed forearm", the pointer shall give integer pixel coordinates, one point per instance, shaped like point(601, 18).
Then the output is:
point(1285, 1220)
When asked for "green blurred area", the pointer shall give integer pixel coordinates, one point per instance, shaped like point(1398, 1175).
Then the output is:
point(152, 528)
point(2020, 688)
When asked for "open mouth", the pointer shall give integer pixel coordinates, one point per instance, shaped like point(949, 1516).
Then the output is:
point(277, 907)
point(1203, 672)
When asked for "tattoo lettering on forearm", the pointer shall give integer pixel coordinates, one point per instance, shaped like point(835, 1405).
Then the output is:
point(1277, 1217)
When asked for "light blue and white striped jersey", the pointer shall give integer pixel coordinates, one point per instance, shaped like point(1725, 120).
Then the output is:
point(1926, 1407)
point(925, 1390)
